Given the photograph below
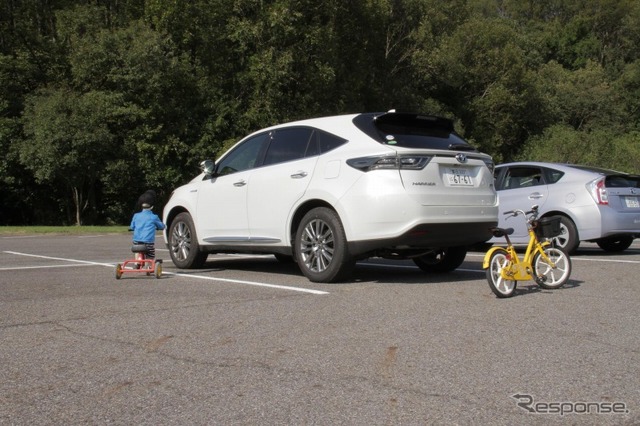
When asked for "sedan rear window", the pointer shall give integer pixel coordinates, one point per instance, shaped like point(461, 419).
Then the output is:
point(622, 182)
point(613, 179)
point(412, 131)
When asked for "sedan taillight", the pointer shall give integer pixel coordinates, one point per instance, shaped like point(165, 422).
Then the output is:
point(598, 191)
point(408, 162)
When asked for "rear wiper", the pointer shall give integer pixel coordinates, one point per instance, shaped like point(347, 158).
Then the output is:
point(461, 147)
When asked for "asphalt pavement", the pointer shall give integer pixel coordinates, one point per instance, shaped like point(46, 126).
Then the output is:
point(248, 340)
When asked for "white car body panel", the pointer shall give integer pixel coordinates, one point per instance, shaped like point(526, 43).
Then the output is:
point(270, 210)
point(230, 223)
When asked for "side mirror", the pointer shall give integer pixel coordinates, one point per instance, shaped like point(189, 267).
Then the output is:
point(208, 167)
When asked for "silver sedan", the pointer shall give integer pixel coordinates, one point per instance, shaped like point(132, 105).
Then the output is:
point(597, 205)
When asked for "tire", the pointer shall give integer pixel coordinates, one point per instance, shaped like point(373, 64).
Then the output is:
point(568, 240)
point(549, 277)
point(499, 286)
point(118, 271)
point(183, 243)
point(615, 244)
point(441, 260)
point(321, 247)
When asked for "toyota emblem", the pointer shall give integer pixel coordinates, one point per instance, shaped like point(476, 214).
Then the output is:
point(461, 158)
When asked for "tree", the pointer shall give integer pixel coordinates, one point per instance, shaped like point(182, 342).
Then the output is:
point(602, 148)
point(165, 83)
point(68, 139)
point(481, 75)
point(627, 86)
point(159, 114)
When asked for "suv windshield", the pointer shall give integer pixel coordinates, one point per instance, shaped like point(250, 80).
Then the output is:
point(411, 131)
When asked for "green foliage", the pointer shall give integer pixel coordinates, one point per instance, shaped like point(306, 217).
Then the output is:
point(483, 78)
point(627, 88)
point(584, 99)
point(100, 101)
point(564, 144)
point(68, 139)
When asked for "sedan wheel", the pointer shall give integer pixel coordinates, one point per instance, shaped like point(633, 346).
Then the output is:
point(615, 244)
point(568, 238)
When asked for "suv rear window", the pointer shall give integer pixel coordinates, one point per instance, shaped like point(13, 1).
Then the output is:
point(412, 131)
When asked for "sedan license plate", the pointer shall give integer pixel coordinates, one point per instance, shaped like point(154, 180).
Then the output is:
point(459, 177)
point(632, 202)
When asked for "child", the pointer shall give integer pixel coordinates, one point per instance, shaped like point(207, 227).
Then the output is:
point(145, 223)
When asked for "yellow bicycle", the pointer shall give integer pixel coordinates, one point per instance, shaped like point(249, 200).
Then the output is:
point(548, 266)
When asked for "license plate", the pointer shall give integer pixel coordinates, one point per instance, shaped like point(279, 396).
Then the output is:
point(632, 202)
point(459, 177)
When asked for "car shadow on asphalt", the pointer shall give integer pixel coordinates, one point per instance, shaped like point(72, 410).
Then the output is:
point(389, 273)
point(529, 287)
point(369, 271)
point(373, 271)
point(262, 264)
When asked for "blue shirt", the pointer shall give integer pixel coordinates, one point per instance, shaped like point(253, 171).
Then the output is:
point(144, 225)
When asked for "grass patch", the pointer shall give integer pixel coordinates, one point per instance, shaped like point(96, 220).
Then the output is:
point(72, 230)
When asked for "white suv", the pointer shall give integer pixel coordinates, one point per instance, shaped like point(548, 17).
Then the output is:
point(329, 191)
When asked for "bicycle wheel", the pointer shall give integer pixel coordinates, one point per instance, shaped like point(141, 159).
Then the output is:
point(551, 276)
point(500, 287)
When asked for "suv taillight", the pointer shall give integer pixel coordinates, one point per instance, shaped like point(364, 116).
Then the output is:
point(598, 191)
point(490, 164)
point(408, 162)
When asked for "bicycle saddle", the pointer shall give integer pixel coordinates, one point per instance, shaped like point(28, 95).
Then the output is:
point(139, 248)
point(501, 232)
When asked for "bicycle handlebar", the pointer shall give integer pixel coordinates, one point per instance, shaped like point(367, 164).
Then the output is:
point(516, 212)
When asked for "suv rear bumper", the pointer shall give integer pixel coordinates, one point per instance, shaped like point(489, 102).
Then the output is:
point(428, 236)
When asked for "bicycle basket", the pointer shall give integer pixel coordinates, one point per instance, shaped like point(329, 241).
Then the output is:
point(547, 227)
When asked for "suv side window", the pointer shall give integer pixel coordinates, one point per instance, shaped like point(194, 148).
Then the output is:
point(288, 145)
point(522, 177)
point(244, 157)
point(328, 141)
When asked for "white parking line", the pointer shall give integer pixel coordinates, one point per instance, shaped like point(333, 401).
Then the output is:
point(605, 260)
point(583, 259)
point(228, 280)
point(84, 262)
point(201, 277)
point(42, 267)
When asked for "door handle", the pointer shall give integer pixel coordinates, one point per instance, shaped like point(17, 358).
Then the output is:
point(240, 183)
point(535, 196)
point(299, 175)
